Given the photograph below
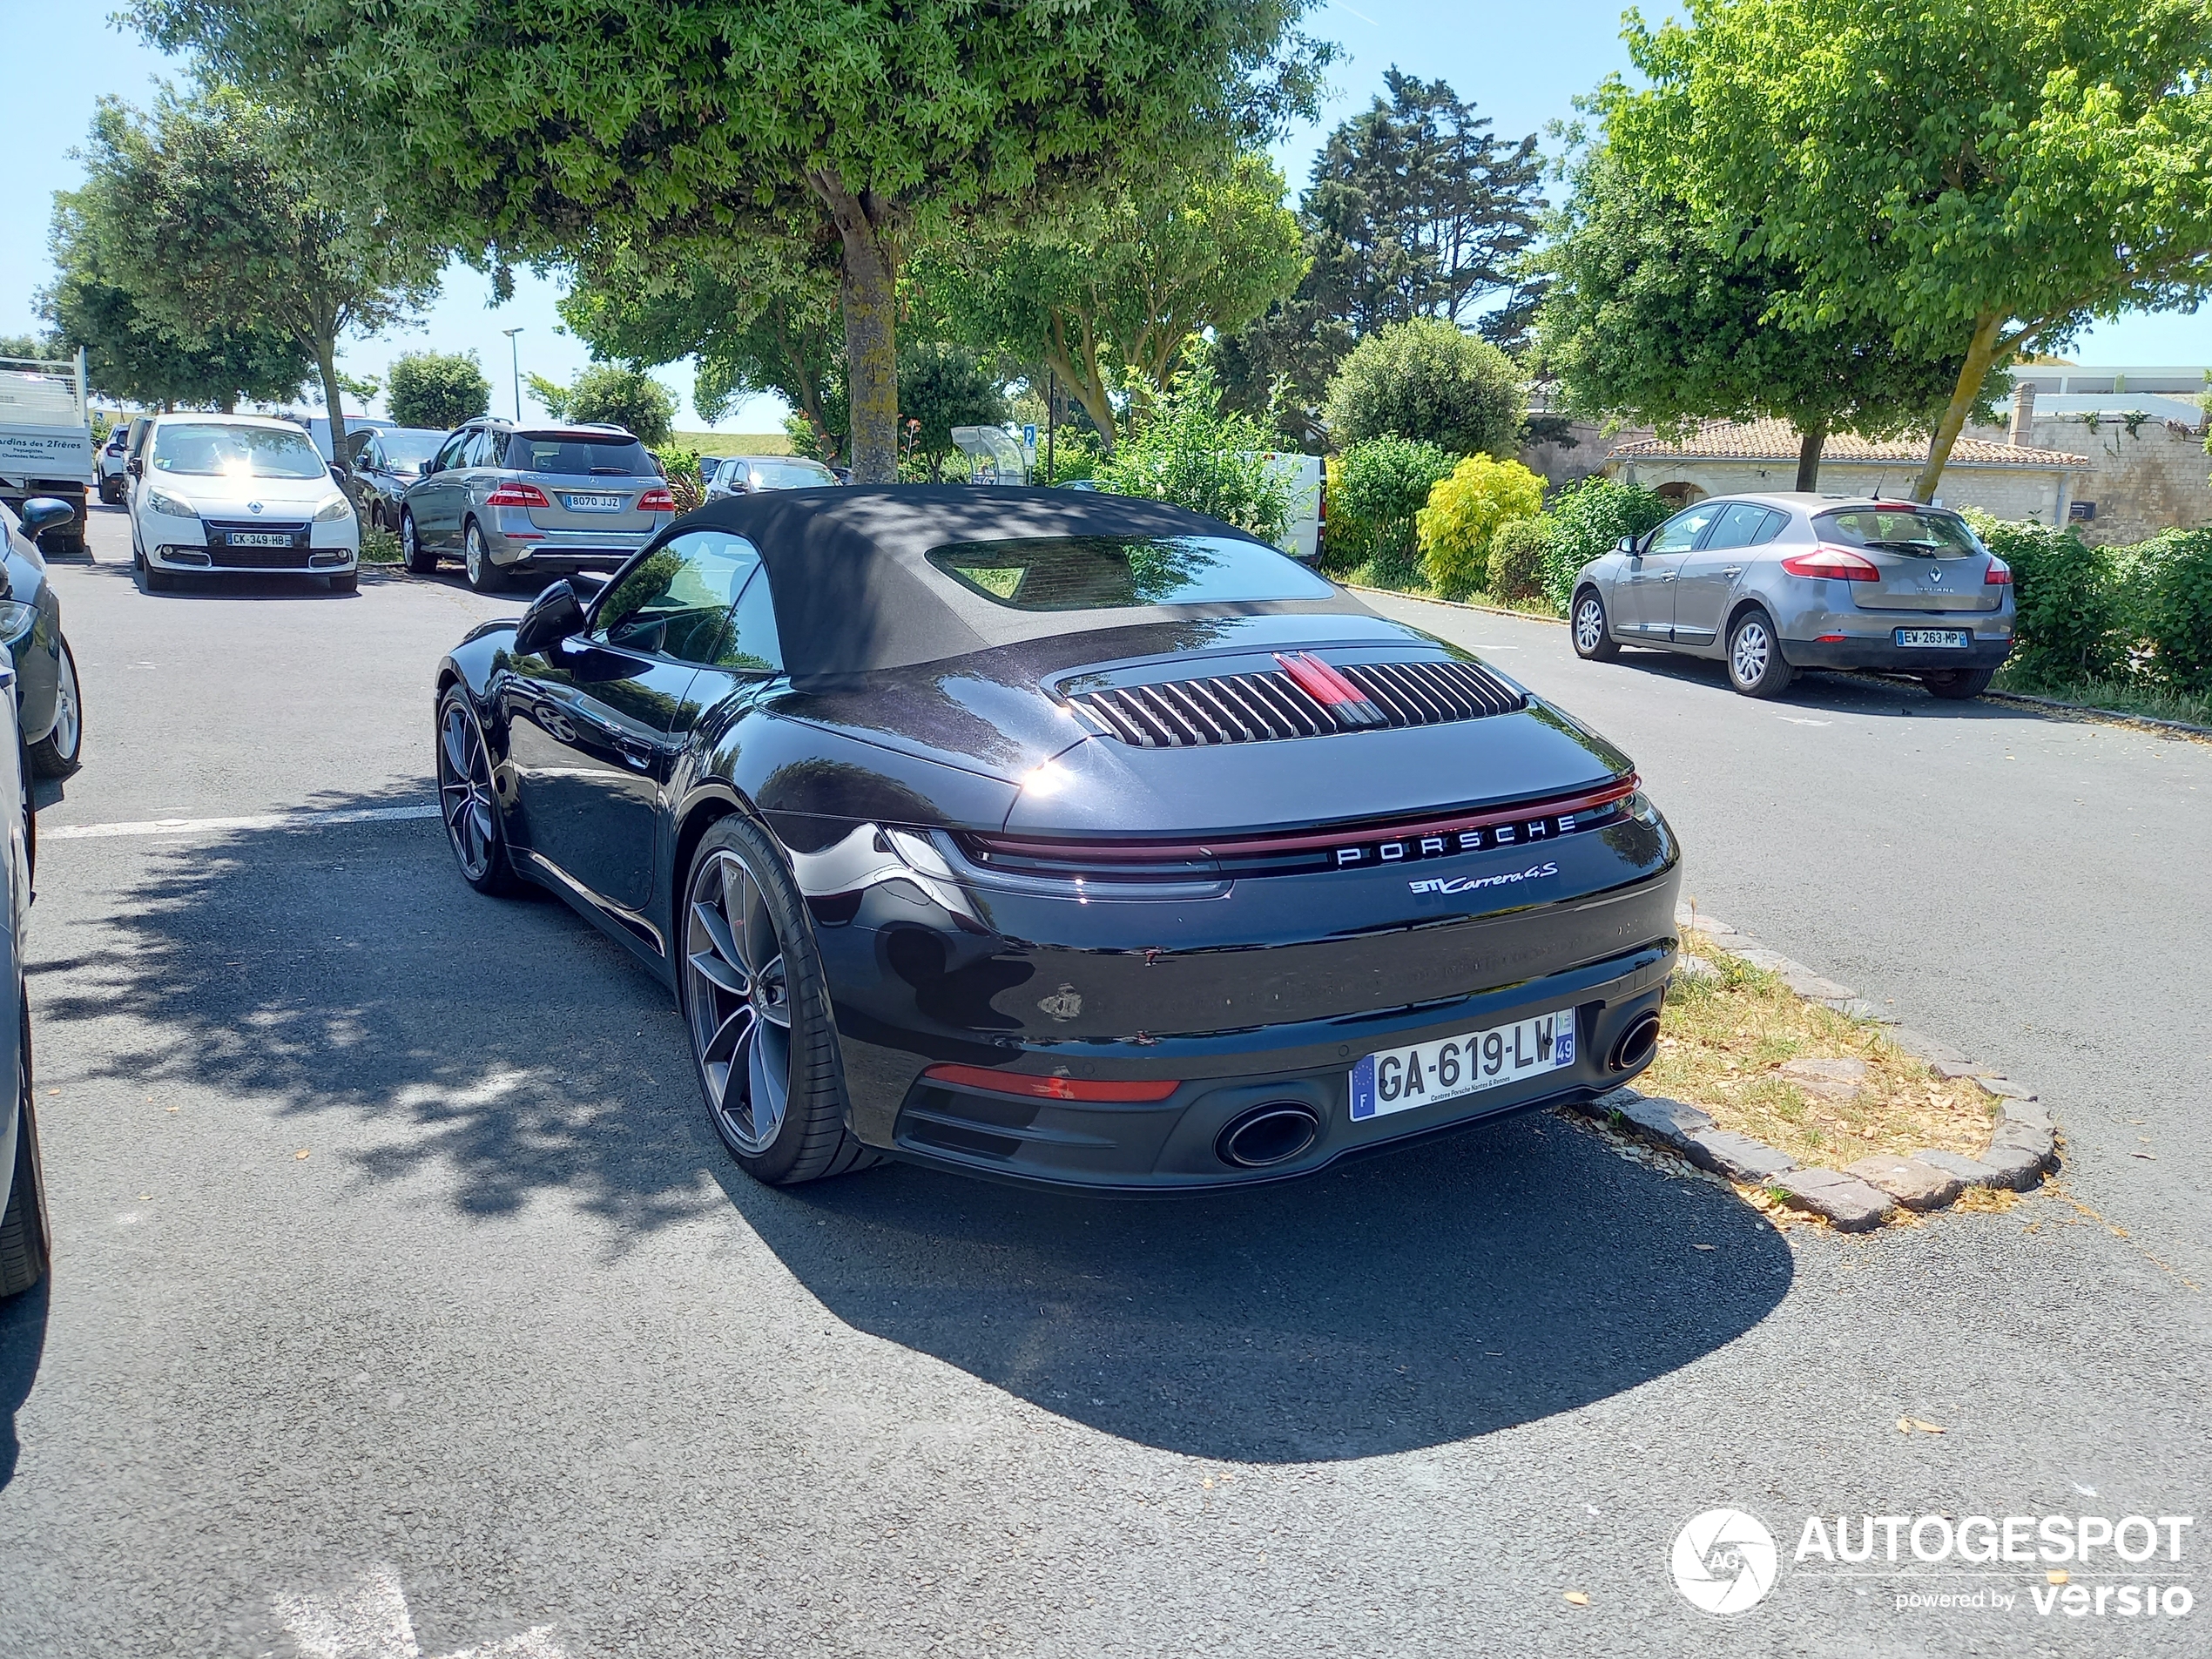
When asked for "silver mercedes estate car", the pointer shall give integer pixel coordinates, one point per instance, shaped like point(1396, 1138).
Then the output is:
point(1772, 583)
point(504, 498)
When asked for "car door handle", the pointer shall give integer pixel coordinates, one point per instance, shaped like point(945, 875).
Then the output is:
point(636, 752)
point(1732, 570)
point(1667, 575)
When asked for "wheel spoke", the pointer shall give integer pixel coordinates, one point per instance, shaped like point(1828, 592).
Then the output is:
point(731, 1036)
point(716, 927)
point(769, 1091)
point(709, 965)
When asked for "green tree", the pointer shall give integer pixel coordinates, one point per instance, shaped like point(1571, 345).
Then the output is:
point(438, 389)
point(1195, 455)
point(1127, 288)
point(611, 394)
point(1465, 511)
point(226, 210)
point(1376, 489)
point(1977, 180)
point(1425, 379)
point(1652, 319)
point(532, 130)
point(941, 387)
point(35, 347)
point(133, 357)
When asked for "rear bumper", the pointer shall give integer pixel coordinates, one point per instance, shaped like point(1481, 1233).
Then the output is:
point(1173, 1146)
point(1882, 652)
point(567, 559)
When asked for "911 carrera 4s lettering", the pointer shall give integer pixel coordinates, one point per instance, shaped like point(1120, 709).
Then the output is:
point(1471, 883)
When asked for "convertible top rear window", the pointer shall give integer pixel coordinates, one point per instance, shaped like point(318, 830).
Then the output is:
point(1122, 572)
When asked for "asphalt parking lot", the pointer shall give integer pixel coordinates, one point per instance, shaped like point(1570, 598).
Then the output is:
point(406, 1303)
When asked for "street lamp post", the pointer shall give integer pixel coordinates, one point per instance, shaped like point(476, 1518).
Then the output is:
point(515, 356)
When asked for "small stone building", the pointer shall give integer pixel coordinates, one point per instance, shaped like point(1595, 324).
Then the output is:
point(2148, 470)
point(1732, 457)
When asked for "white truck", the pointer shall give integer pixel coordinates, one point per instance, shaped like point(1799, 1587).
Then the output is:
point(46, 441)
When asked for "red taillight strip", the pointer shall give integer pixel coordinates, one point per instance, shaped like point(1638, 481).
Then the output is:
point(1247, 845)
point(1032, 1087)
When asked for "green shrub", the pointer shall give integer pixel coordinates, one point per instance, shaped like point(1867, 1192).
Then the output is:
point(2072, 604)
point(1427, 380)
point(1587, 518)
point(1375, 490)
point(680, 467)
point(2170, 580)
point(438, 390)
point(1519, 553)
point(1464, 512)
point(1190, 453)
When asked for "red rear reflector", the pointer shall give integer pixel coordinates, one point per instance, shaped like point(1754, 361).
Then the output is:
point(516, 494)
point(1036, 1088)
point(1837, 563)
point(1829, 640)
point(1999, 575)
point(656, 501)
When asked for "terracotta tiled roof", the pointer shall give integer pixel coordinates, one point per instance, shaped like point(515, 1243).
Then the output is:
point(1777, 441)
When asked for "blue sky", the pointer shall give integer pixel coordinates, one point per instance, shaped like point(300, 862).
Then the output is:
point(1522, 65)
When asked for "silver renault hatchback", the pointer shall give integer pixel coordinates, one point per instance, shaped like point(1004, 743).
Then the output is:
point(505, 499)
point(1769, 585)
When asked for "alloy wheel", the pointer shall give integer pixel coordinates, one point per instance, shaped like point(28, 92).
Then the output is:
point(67, 723)
point(474, 556)
point(1749, 653)
point(1589, 624)
point(465, 792)
point(407, 537)
point(738, 1001)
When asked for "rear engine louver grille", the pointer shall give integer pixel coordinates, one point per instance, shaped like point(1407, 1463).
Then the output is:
point(1260, 707)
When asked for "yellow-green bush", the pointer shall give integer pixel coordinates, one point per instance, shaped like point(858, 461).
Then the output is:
point(1464, 512)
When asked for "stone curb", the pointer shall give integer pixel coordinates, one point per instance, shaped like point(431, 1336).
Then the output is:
point(2022, 1148)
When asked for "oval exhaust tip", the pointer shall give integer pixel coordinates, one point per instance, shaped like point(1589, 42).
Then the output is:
point(1637, 1043)
point(1274, 1133)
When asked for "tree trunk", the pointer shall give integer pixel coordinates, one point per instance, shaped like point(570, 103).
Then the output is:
point(1979, 354)
point(867, 286)
point(1083, 378)
point(1809, 447)
point(326, 364)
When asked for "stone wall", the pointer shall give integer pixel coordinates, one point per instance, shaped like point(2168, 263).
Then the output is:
point(2155, 478)
point(2007, 491)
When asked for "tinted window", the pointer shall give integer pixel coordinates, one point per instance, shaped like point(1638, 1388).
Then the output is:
point(1906, 529)
point(1776, 523)
point(1740, 525)
point(196, 449)
point(1117, 572)
point(751, 646)
point(449, 452)
point(674, 602)
point(580, 455)
point(483, 450)
point(1679, 533)
point(791, 474)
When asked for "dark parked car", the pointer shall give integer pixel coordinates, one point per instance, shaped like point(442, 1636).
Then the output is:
point(1060, 837)
point(388, 463)
point(24, 1236)
point(50, 707)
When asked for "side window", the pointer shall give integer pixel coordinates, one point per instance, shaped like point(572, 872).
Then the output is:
point(371, 458)
point(485, 451)
point(1680, 533)
point(1776, 523)
point(448, 455)
point(1739, 527)
point(751, 646)
point(674, 603)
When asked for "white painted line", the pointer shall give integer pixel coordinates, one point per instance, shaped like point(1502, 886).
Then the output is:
point(370, 1620)
point(1793, 719)
point(264, 821)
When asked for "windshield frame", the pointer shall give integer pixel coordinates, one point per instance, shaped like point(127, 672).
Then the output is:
point(277, 439)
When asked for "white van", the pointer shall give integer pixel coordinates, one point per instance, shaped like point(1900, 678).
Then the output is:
point(1302, 475)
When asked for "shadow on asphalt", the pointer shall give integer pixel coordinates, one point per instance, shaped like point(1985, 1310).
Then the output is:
point(23, 1340)
point(1820, 689)
point(1404, 1301)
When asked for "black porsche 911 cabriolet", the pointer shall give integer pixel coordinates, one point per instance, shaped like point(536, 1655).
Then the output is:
point(1060, 837)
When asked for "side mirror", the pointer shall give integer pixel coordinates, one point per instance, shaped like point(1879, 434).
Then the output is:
point(135, 467)
point(552, 617)
point(44, 512)
point(1627, 544)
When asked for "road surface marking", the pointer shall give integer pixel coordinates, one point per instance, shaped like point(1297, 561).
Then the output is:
point(1799, 720)
point(370, 1621)
point(264, 821)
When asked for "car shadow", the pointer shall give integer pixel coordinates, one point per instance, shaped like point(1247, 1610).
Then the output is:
point(501, 1053)
point(1840, 690)
point(22, 1344)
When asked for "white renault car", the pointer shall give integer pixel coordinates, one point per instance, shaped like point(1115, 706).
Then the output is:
point(238, 495)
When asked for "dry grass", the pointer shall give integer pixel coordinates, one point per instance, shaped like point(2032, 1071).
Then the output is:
point(1723, 1037)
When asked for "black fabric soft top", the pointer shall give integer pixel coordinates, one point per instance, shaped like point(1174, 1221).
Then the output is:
point(855, 590)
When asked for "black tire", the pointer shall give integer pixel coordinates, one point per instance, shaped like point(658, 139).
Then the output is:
point(24, 1240)
point(420, 559)
point(1756, 665)
point(467, 800)
point(111, 491)
point(61, 751)
point(153, 580)
point(757, 1007)
point(1590, 629)
point(484, 576)
point(1956, 684)
point(346, 582)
